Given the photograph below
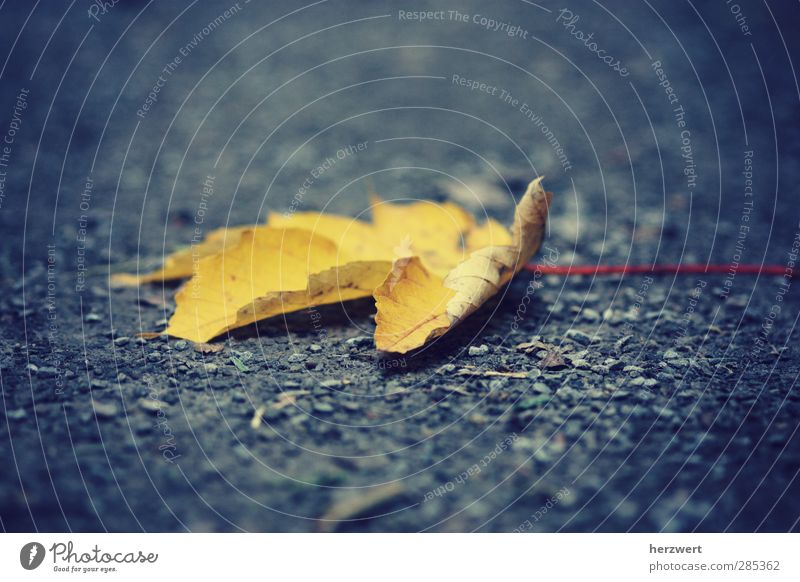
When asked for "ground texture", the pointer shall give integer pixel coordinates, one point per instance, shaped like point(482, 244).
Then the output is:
point(643, 403)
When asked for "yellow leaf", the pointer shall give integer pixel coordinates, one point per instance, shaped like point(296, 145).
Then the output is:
point(436, 232)
point(246, 274)
point(440, 233)
point(357, 240)
point(489, 233)
point(433, 231)
point(416, 305)
point(269, 272)
point(181, 263)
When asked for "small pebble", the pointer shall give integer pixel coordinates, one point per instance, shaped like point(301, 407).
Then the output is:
point(323, 407)
point(480, 350)
point(150, 404)
point(579, 336)
point(104, 410)
point(590, 314)
point(17, 414)
point(541, 388)
point(361, 341)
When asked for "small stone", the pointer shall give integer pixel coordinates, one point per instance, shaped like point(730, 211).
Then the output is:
point(552, 359)
point(48, 371)
point(671, 354)
point(639, 381)
point(533, 402)
point(323, 407)
point(150, 404)
point(121, 341)
point(350, 405)
point(622, 342)
point(91, 318)
point(315, 348)
point(590, 314)
point(104, 410)
point(181, 345)
point(480, 350)
point(17, 414)
point(361, 341)
point(477, 419)
point(680, 363)
point(296, 358)
point(98, 384)
point(664, 412)
point(330, 383)
point(613, 364)
point(243, 453)
point(541, 388)
point(446, 369)
point(579, 336)
point(211, 368)
point(633, 370)
point(33, 368)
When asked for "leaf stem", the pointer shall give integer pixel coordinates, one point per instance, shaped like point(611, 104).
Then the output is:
point(665, 269)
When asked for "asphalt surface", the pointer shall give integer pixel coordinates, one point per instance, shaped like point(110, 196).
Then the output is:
point(667, 132)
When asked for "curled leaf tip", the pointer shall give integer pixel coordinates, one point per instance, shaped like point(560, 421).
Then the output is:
point(416, 306)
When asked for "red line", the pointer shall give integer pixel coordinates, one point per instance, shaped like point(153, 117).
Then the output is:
point(567, 270)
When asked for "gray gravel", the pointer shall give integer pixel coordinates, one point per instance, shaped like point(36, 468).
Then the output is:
point(630, 403)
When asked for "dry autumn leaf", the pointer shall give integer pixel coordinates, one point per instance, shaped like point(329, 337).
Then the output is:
point(269, 272)
point(416, 305)
point(309, 259)
point(180, 264)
